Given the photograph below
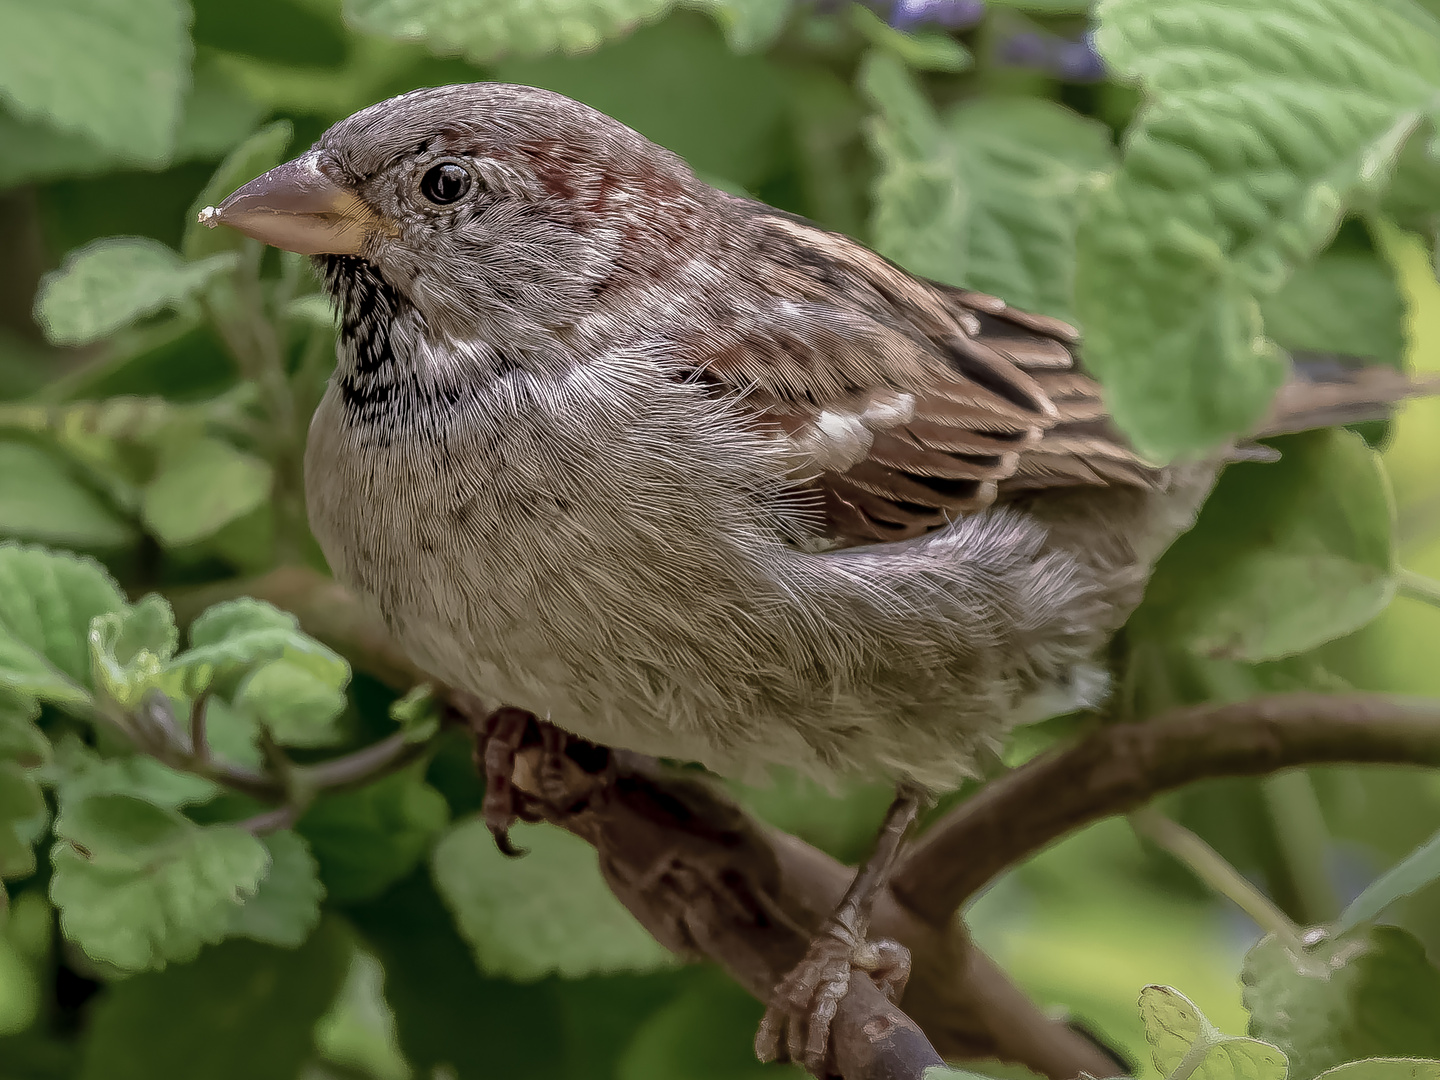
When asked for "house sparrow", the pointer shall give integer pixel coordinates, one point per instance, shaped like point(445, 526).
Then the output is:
point(682, 473)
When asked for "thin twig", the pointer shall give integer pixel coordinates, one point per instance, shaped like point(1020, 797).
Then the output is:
point(1210, 867)
point(199, 741)
point(389, 755)
point(282, 817)
point(1120, 767)
point(1418, 587)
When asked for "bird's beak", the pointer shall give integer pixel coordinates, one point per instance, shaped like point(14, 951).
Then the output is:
point(296, 206)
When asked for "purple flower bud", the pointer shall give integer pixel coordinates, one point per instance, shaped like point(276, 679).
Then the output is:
point(1078, 61)
point(1027, 49)
point(951, 14)
point(1073, 61)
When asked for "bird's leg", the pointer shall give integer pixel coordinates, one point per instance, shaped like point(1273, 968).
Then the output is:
point(804, 1004)
point(497, 740)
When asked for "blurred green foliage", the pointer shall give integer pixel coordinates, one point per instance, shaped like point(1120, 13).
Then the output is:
point(1233, 181)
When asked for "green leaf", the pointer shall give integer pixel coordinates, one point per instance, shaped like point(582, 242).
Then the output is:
point(23, 816)
point(924, 50)
point(77, 772)
point(920, 209)
point(988, 196)
point(418, 713)
point(299, 708)
point(199, 488)
point(46, 603)
point(242, 1011)
point(358, 1033)
point(436, 993)
point(485, 32)
point(705, 1032)
point(259, 153)
point(286, 908)
point(111, 283)
point(1409, 875)
point(1184, 1043)
point(217, 116)
point(115, 73)
point(41, 499)
point(20, 740)
point(1262, 123)
point(367, 839)
point(724, 114)
point(550, 913)
point(128, 649)
point(232, 638)
point(1284, 557)
point(1024, 164)
point(1385, 1069)
point(1347, 302)
point(139, 885)
point(749, 25)
point(1367, 993)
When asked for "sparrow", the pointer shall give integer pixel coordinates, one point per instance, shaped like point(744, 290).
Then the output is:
point(685, 474)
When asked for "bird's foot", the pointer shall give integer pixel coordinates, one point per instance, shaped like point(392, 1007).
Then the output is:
point(532, 770)
point(498, 739)
point(803, 1006)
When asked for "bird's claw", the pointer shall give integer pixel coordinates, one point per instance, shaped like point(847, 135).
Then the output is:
point(804, 1005)
point(498, 738)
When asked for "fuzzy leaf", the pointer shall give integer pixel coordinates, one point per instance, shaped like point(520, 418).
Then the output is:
point(923, 50)
point(20, 740)
point(1178, 1032)
point(1285, 556)
point(138, 885)
point(299, 708)
point(367, 839)
point(749, 25)
point(111, 283)
point(233, 638)
point(1346, 302)
point(286, 907)
point(483, 32)
point(41, 499)
point(23, 816)
point(1367, 993)
point(46, 603)
point(1385, 1069)
point(77, 772)
point(1262, 123)
point(550, 913)
point(241, 1011)
point(417, 713)
point(988, 196)
point(114, 73)
point(128, 649)
point(199, 488)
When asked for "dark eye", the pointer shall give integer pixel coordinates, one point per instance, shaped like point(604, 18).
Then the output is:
point(445, 183)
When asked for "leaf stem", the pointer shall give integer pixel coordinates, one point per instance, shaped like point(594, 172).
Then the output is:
point(1303, 837)
point(1208, 865)
point(1418, 587)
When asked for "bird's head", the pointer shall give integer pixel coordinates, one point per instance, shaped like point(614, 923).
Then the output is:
point(490, 209)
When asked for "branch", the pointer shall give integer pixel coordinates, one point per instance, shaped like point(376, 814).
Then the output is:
point(159, 736)
point(1123, 766)
point(705, 878)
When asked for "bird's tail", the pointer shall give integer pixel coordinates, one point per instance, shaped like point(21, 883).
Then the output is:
point(1326, 390)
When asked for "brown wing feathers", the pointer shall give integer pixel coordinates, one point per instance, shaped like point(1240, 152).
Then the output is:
point(907, 403)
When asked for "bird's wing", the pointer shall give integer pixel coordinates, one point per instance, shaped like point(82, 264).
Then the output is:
point(906, 403)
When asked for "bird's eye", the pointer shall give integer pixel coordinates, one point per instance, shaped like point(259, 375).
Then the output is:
point(445, 183)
